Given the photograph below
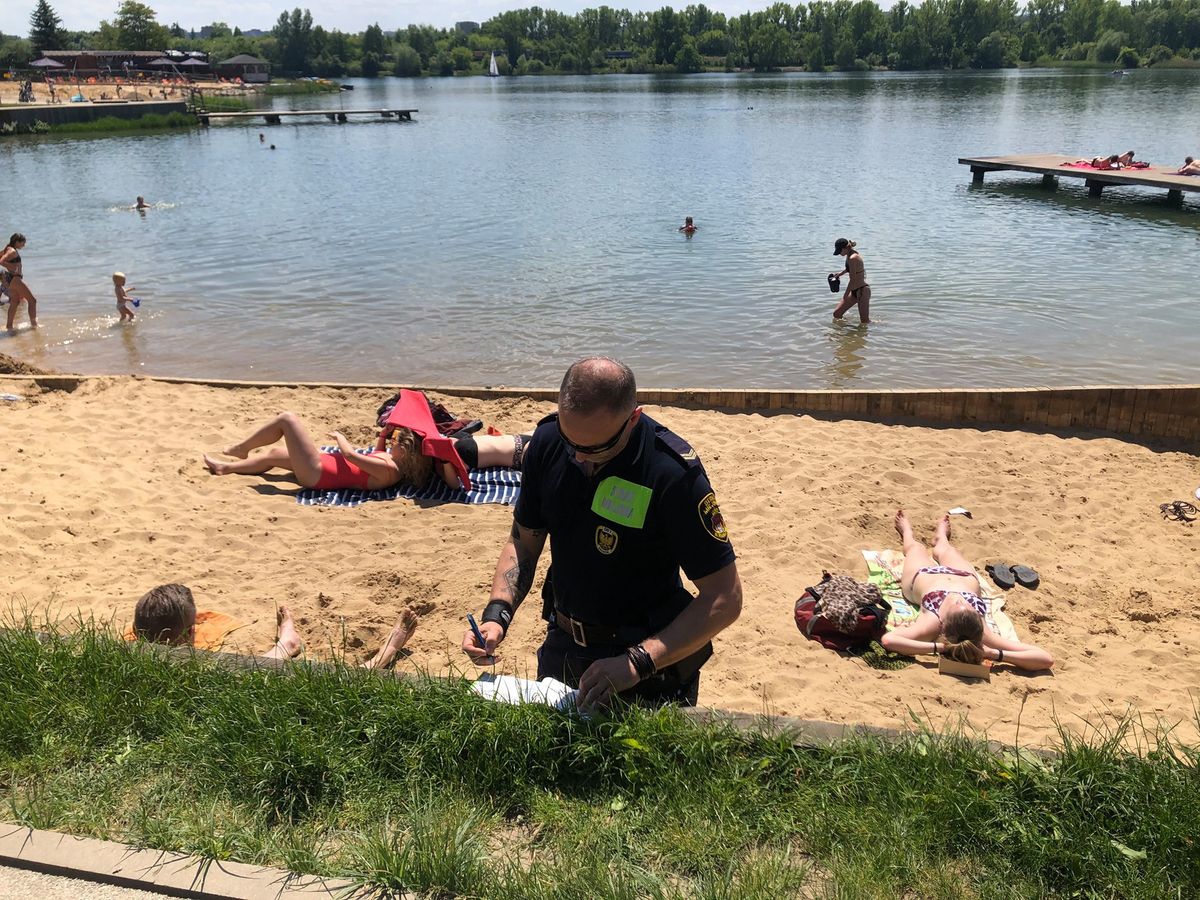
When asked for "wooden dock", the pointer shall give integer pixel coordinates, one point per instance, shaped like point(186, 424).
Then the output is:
point(276, 116)
point(1050, 166)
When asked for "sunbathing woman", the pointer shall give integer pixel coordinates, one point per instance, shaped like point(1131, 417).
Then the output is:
point(347, 468)
point(18, 290)
point(1189, 167)
point(952, 620)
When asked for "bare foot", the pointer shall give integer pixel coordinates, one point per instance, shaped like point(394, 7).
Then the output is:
point(236, 451)
point(942, 532)
point(215, 466)
point(401, 632)
point(902, 525)
point(287, 639)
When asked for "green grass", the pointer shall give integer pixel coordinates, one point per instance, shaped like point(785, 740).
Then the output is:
point(109, 124)
point(226, 103)
point(416, 785)
point(282, 88)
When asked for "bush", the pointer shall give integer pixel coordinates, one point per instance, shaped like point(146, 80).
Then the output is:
point(688, 58)
point(1109, 46)
point(1078, 52)
point(535, 67)
point(1158, 54)
point(1129, 58)
point(460, 59)
point(408, 62)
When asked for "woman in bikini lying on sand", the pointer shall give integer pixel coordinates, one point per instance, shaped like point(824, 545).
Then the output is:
point(952, 620)
point(347, 468)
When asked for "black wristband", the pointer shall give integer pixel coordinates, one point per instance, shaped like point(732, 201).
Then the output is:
point(498, 611)
point(643, 662)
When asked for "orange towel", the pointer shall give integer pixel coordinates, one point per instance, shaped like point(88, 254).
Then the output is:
point(211, 630)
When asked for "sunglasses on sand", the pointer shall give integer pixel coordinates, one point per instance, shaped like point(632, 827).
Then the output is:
point(594, 449)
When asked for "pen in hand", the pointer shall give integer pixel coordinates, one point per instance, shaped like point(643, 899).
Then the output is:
point(480, 641)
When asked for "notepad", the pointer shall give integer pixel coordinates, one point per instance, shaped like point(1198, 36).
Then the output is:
point(510, 689)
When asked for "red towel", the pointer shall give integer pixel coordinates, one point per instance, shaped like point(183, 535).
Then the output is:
point(412, 411)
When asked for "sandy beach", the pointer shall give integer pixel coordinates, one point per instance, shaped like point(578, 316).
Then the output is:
point(10, 90)
point(104, 496)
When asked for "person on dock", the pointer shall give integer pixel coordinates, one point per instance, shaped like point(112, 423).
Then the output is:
point(952, 622)
point(125, 303)
point(626, 504)
point(688, 227)
point(14, 280)
point(1189, 167)
point(858, 292)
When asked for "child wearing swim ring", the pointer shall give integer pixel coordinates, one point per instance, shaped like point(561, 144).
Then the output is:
point(125, 304)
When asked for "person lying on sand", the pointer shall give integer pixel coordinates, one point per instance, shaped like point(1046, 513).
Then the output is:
point(951, 622)
point(347, 468)
point(167, 615)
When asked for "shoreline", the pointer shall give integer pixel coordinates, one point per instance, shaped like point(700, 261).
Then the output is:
point(801, 493)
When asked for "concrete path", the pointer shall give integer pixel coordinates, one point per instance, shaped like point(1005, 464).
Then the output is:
point(21, 884)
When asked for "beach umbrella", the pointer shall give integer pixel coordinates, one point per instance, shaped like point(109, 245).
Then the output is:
point(161, 61)
point(47, 64)
point(193, 62)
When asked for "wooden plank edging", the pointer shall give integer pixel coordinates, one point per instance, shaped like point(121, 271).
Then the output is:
point(1166, 411)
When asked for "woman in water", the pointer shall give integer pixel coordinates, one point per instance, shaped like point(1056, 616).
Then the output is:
point(14, 281)
point(858, 292)
point(952, 622)
point(347, 468)
point(688, 227)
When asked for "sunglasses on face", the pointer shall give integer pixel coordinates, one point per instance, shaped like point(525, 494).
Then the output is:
point(595, 449)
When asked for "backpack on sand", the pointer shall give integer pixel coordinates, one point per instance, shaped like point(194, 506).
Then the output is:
point(841, 614)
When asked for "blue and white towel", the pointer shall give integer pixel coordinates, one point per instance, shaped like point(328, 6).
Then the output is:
point(494, 485)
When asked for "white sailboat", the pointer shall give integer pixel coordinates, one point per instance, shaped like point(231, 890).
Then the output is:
point(493, 69)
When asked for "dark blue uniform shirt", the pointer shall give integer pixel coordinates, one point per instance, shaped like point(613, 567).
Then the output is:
point(619, 537)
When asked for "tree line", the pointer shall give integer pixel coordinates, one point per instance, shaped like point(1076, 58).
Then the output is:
point(846, 35)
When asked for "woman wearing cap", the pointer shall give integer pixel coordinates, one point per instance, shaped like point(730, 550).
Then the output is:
point(858, 293)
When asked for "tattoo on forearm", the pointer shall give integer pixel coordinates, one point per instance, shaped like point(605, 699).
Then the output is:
point(519, 579)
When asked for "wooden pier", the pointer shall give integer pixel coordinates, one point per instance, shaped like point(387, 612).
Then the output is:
point(275, 116)
point(1050, 166)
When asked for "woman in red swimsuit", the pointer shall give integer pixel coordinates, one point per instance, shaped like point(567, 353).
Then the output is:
point(345, 468)
point(952, 620)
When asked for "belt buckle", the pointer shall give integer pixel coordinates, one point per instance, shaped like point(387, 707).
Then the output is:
point(577, 633)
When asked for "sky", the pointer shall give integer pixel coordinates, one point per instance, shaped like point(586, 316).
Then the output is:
point(80, 15)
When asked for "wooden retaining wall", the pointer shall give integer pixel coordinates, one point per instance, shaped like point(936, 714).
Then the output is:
point(64, 113)
point(1170, 412)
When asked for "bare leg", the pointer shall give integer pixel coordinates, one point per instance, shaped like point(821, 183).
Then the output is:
point(275, 458)
point(302, 451)
point(864, 306)
point(945, 552)
point(14, 300)
point(287, 638)
point(401, 632)
point(915, 554)
point(844, 306)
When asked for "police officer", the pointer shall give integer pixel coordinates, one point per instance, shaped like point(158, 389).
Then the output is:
point(626, 504)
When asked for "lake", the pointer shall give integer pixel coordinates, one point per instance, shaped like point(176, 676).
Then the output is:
point(520, 223)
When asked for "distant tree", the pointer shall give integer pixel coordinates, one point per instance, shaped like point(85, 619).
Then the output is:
point(293, 35)
point(688, 58)
point(45, 28)
point(373, 41)
point(769, 47)
point(137, 27)
point(176, 31)
point(1108, 46)
point(997, 51)
point(219, 30)
point(408, 61)
point(371, 64)
point(461, 59)
point(15, 52)
point(713, 43)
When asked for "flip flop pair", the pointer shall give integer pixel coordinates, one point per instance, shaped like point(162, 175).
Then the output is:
point(1008, 577)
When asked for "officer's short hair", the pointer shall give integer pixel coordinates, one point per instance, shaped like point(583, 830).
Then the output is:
point(165, 615)
point(598, 383)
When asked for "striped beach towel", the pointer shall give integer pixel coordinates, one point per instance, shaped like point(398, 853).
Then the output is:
point(884, 568)
point(494, 485)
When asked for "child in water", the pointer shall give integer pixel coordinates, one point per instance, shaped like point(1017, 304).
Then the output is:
point(687, 227)
point(125, 304)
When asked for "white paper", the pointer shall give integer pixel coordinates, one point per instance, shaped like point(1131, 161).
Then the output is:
point(510, 689)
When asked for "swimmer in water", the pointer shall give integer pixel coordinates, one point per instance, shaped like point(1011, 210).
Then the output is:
point(687, 227)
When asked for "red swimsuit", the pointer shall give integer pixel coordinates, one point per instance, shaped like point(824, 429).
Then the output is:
point(337, 473)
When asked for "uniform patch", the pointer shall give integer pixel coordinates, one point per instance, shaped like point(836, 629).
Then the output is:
point(622, 502)
point(606, 540)
point(711, 518)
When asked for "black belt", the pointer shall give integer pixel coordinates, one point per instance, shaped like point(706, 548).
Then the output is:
point(584, 634)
